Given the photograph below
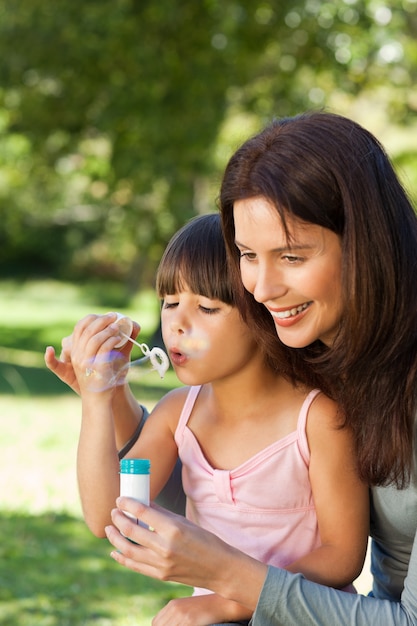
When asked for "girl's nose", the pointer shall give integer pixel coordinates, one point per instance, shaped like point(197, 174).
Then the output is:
point(177, 325)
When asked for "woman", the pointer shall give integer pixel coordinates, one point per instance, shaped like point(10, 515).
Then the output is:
point(325, 237)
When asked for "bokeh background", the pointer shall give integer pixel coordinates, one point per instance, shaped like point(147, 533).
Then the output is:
point(116, 121)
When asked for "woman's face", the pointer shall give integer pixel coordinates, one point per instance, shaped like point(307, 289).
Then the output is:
point(297, 279)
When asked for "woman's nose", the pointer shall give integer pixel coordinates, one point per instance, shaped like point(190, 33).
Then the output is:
point(269, 284)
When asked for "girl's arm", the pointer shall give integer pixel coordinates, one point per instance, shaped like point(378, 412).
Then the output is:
point(127, 414)
point(156, 441)
point(127, 411)
point(96, 365)
point(341, 501)
point(98, 462)
point(179, 551)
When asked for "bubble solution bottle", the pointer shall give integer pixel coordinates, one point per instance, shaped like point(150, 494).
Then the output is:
point(134, 480)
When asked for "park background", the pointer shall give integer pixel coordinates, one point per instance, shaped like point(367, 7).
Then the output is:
point(116, 121)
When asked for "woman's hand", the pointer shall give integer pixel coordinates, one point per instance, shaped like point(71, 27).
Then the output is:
point(178, 550)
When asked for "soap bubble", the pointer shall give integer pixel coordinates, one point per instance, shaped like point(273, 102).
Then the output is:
point(105, 372)
point(194, 345)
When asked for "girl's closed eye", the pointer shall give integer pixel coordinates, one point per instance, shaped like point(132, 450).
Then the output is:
point(213, 306)
point(169, 305)
point(208, 310)
point(206, 305)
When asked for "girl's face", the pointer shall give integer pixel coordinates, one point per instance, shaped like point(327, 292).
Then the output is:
point(206, 339)
point(298, 280)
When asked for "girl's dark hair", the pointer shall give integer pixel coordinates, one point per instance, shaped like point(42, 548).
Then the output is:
point(196, 256)
point(327, 170)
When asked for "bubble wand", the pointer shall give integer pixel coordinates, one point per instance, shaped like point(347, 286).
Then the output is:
point(156, 356)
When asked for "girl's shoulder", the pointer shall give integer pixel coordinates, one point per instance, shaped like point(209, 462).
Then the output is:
point(325, 426)
point(324, 410)
point(174, 399)
point(169, 408)
point(324, 416)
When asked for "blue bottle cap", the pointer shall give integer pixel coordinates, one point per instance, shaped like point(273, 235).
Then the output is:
point(135, 466)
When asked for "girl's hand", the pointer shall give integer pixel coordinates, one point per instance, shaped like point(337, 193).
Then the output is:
point(185, 612)
point(88, 360)
point(200, 611)
point(62, 368)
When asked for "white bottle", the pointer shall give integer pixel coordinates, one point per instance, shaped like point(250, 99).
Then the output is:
point(134, 480)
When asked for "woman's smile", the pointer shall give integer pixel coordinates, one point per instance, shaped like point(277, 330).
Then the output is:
point(280, 315)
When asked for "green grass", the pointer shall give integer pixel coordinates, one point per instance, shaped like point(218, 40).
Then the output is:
point(53, 571)
point(34, 314)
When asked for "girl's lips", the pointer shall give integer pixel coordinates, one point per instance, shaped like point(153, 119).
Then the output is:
point(177, 358)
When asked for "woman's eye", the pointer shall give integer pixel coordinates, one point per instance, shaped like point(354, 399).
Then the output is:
point(250, 256)
point(170, 305)
point(292, 258)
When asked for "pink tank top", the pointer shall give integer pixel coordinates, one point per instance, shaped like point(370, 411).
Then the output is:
point(265, 506)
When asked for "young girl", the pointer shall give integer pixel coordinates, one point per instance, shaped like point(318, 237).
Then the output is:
point(265, 466)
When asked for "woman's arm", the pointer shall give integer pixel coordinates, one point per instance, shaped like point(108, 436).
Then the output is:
point(290, 600)
point(182, 552)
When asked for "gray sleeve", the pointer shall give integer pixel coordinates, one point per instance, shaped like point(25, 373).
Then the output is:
point(290, 600)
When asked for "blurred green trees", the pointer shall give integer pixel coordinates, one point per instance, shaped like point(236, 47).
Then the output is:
point(116, 118)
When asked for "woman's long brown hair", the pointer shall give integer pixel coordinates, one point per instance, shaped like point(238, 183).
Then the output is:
point(328, 170)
